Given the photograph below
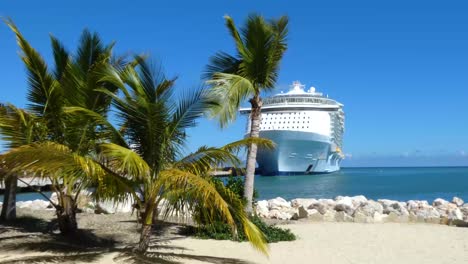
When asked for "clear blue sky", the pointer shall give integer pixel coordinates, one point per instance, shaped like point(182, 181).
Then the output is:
point(399, 67)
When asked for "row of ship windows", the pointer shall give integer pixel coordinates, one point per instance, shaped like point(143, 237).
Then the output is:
point(288, 113)
point(293, 113)
point(297, 100)
point(284, 122)
point(287, 127)
point(271, 118)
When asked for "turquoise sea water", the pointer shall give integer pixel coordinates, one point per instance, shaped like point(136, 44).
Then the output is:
point(375, 183)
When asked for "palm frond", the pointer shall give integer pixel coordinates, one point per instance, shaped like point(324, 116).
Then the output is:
point(114, 134)
point(213, 199)
point(49, 159)
point(19, 127)
point(252, 232)
point(61, 57)
point(205, 159)
point(89, 49)
point(191, 106)
point(124, 161)
point(221, 62)
point(46, 160)
point(235, 35)
point(236, 146)
point(229, 91)
point(44, 93)
point(198, 187)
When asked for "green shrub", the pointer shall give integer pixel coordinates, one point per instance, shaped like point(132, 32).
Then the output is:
point(219, 230)
point(272, 232)
point(236, 185)
point(222, 231)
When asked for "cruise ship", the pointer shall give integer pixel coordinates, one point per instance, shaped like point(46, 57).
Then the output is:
point(307, 128)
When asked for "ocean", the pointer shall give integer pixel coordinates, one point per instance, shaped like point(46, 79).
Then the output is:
point(401, 184)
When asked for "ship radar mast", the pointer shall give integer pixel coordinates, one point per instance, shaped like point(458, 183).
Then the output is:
point(297, 86)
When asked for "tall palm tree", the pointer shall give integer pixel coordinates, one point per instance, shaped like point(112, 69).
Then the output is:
point(72, 81)
point(254, 69)
point(147, 160)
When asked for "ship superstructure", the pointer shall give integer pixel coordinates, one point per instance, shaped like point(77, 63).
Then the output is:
point(307, 128)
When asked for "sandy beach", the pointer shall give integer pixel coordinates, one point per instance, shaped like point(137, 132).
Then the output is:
point(109, 238)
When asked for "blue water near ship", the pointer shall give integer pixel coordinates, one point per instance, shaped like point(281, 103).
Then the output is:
point(375, 183)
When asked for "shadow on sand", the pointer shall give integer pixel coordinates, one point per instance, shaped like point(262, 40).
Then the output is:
point(36, 237)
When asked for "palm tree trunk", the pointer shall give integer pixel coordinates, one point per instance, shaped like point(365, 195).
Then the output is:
point(255, 119)
point(66, 216)
point(145, 234)
point(9, 199)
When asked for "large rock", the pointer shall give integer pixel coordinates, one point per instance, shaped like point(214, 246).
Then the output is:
point(457, 201)
point(464, 210)
point(421, 211)
point(262, 208)
point(110, 207)
point(323, 205)
point(391, 206)
point(302, 212)
point(415, 205)
point(296, 203)
point(362, 218)
point(358, 200)
point(444, 207)
point(83, 201)
point(394, 217)
point(345, 204)
point(314, 215)
point(455, 214)
point(343, 217)
point(369, 208)
point(379, 217)
point(33, 205)
point(54, 198)
point(278, 203)
point(281, 215)
point(329, 216)
point(439, 202)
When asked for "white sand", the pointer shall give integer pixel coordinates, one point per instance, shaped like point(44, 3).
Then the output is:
point(348, 243)
point(317, 243)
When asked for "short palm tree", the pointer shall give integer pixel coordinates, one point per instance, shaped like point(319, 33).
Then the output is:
point(146, 160)
point(71, 82)
point(154, 125)
point(254, 69)
point(17, 128)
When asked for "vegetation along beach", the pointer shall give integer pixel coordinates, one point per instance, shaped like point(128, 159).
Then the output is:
point(123, 139)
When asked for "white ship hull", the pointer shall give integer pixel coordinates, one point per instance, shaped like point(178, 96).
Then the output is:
point(298, 152)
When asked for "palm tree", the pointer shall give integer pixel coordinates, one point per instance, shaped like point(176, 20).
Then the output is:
point(154, 125)
point(147, 160)
point(71, 82)
point(17, 128)
point(260, 46)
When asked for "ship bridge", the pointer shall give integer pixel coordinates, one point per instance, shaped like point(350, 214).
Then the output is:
point(297, 99)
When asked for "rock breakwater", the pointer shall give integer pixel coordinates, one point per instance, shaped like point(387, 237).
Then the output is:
point(357, 209)
point(362, 210)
